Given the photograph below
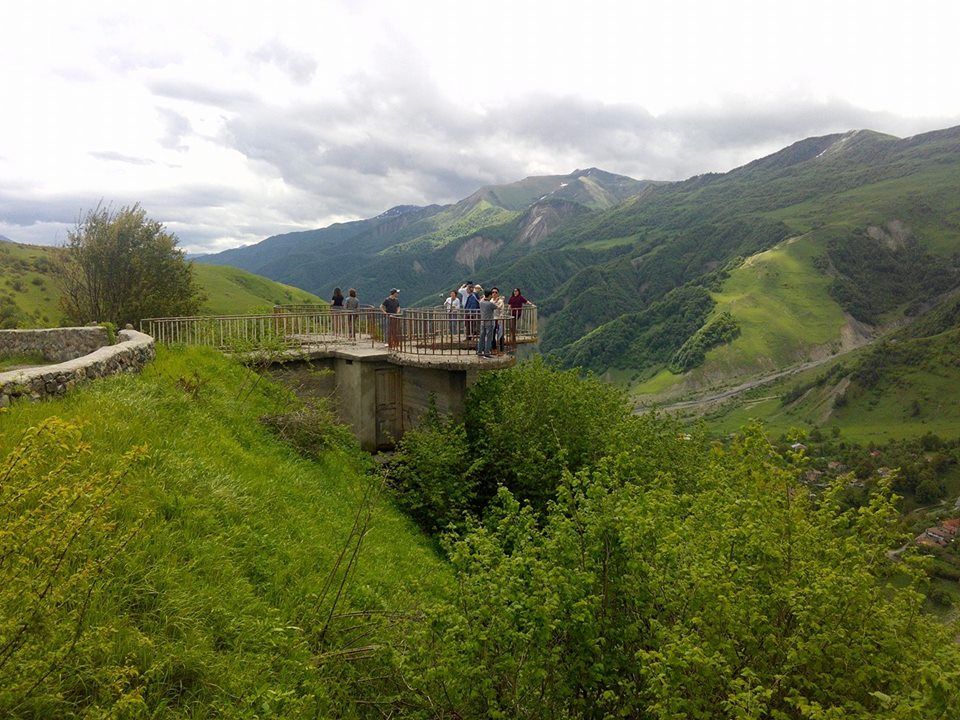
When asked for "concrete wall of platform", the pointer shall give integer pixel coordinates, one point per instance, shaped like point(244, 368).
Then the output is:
point(377, 398)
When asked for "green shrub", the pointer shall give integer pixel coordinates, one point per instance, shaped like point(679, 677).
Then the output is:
point(715, 587)
point(57, 543)
point(312, 428)
point(528, 425)
point(432, 476)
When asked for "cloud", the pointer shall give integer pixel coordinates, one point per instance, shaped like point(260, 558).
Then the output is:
point(298, 65)
point(176, 127)
point(110, 155)
point(200, 93)
point(393, 140)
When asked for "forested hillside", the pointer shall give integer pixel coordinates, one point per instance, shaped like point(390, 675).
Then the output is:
point(626, 278)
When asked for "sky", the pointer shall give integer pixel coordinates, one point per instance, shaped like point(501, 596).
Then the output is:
point(231, 122)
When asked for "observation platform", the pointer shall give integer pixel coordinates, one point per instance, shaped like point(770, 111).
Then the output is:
point(387, 370)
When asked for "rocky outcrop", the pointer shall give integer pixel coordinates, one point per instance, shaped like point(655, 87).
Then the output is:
point(543, 218)
point(476, 248)
point(130, 354)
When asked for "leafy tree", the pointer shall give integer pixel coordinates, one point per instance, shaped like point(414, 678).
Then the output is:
point(526, 426)
point(120, 266)
point(432, 474)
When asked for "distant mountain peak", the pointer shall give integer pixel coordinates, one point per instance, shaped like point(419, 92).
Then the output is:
point(4, 238)
point(398, 210)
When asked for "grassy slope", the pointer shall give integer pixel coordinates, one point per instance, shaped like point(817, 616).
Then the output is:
point(215, 602)
point(878, 414)
point(785, 313)
point(233, 291)
point(781, 299)
point(228, 290)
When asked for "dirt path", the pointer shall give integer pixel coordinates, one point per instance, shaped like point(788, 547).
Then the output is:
point(743, 387)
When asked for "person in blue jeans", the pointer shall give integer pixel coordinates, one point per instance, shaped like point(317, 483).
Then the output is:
point(487, 309)
point(470, 309)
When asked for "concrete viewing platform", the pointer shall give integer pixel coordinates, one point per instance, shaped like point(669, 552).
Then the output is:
point(320, 349)
point(386, 371)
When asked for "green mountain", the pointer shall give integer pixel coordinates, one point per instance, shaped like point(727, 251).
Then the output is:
point(424, 249)
point(677, 288)
point(30, 297)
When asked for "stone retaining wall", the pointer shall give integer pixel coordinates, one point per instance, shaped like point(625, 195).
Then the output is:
point(132, 351)
point(55, 344)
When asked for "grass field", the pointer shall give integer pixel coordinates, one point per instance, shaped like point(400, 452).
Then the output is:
point(215, 606)
point(911, 400)
point(785, 314)
point(29, 292)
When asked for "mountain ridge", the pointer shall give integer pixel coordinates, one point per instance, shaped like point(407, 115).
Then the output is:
point(623, 257)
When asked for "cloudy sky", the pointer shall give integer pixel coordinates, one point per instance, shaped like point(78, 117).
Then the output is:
point(233, 121)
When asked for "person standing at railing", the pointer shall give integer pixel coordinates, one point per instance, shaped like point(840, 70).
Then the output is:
point(500, 319)
point(336, 307)
point(471, 308)
point(465, 289)
point(352, 305)
point(452, 305)
point(487, 310)
point(390, 307)
point(516, 303)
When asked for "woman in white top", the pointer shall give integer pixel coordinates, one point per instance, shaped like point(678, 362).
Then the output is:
point(500, 314)
point(453, 306)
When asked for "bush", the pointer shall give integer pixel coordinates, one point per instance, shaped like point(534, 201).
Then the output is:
point(722, 329)
point(312, 428)
point(714, 587)
point(57, 544)
point(432, 475)
point(527, 425)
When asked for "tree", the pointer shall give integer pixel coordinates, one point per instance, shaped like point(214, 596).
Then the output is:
point(121, 266)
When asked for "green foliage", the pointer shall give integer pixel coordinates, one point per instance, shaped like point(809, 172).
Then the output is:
point(709, 585)
point(254, 579)
point(527, 426)
point(58, 542)
point(10, 360)
point(873, 278)
point(722, 329)
point(645, 339)
point(523, 428)
point(432, 475)
point(111, 332)
point(312, 428)
point(120, 266)
point(831, 374)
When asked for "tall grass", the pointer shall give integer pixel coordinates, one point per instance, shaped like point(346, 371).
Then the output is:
point(220, 601)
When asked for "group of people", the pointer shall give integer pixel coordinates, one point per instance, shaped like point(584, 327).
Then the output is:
point(490, 309)
point(486, 312)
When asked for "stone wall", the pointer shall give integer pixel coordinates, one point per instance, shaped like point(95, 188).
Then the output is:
point(56, 345)
point(132, 351)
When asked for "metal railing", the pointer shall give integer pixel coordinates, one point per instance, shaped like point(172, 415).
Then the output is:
point(415, 331)
point(252, 331)
point(438, 332)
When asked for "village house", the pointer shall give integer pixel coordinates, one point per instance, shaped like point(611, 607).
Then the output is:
point(940, 535)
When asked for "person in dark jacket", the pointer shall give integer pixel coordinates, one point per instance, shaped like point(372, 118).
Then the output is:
point(390, 307)
point(471, 311)
point(516, 303)
point(336, 306)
